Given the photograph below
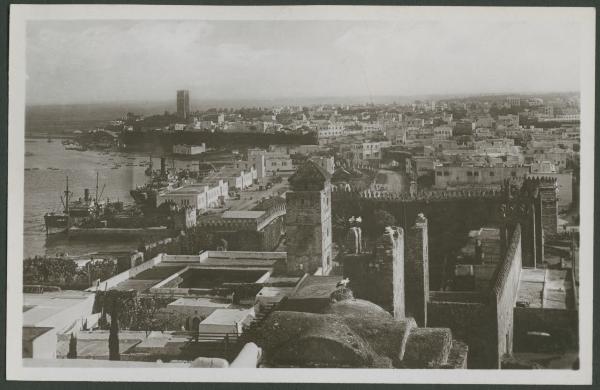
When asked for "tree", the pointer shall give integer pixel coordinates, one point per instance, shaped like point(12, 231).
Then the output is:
point(118, 305)
point(113, 337)
point(72, 354)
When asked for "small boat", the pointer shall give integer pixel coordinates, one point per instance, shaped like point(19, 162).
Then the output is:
point(74, 146)
point(53, 169)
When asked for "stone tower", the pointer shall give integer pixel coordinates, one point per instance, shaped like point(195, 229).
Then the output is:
point(308, 220)
point(548, 205)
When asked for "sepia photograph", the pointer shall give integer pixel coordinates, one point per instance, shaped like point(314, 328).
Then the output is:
point(372, 194)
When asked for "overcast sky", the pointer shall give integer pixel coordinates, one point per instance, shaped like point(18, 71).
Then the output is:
point(105, 61)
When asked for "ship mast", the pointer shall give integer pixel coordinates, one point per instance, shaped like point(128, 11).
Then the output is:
point(96, 187)
point(67, 197)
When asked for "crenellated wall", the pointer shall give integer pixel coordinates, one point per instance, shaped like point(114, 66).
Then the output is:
point(342, 193)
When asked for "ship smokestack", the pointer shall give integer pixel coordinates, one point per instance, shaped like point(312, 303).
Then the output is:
point(86, 194)
point(163, 166)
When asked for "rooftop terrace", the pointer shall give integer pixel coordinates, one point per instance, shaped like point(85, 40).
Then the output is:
point(546, 288)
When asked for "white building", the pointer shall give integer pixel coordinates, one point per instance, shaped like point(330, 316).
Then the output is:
point(442, 132)
point(329, 129)
point(278, 163)
point(226, 321)
point(179, 126)
point(189, 150)
point(368, 150)
point(47, 315)
point(198, 196)
point(374, 127)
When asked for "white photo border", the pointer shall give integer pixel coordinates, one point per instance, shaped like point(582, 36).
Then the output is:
point(20, 14)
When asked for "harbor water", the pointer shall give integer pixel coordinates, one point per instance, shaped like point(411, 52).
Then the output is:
point(47, 164)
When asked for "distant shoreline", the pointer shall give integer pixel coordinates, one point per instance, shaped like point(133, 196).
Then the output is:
point(46, 135)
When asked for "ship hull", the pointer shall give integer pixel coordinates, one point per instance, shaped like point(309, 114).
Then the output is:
point(56, 223)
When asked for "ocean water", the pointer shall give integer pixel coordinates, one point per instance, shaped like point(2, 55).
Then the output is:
point(44, 186)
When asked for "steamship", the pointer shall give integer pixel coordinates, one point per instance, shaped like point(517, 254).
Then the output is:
point(74, 211)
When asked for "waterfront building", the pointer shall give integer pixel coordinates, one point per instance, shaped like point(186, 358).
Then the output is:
point(198, 196)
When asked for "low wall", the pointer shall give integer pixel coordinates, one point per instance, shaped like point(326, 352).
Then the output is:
point(125, 275)
point(119, 233)
point(472, 323)
point(456, 296)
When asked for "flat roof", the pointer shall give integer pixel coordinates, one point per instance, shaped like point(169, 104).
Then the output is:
point(186, 190)
point(273, 292)
point(290, 281)
point(203, 302)
point(227, 316)
point(546, 288)
point(246, 214)
point(33, 332)
point(48, 304)
point(99, 348)
point(316, 287)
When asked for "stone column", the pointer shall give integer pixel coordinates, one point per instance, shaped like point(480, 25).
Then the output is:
point(416, 271)
point(390, 254)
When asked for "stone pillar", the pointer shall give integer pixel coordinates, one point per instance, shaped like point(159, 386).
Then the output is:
point(413, 188)
point(416, 271)
point(539, 231)
point(354, 240)
point(390, 254)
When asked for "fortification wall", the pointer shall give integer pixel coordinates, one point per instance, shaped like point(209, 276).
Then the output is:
point(343, 192)
point(450, 220)
point(504, 294)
